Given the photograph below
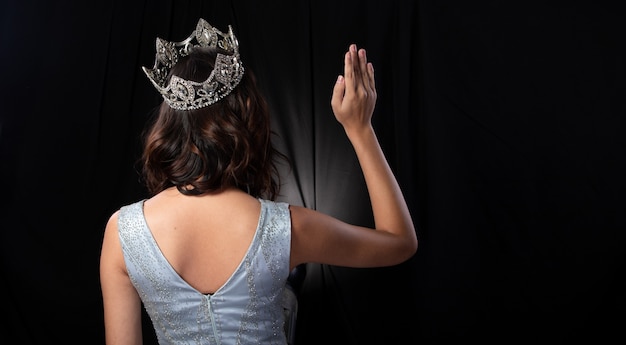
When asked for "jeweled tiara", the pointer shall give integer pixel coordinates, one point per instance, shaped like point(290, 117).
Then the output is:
point(184, 94)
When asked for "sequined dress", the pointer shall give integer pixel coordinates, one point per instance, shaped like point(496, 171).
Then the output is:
point(245, 310)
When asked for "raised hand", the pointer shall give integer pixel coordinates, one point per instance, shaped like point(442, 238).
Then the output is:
point(354, 94)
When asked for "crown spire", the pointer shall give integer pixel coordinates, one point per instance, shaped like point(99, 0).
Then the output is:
point(182, 94)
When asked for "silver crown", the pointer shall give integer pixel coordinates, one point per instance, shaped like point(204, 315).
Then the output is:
point(184, 94)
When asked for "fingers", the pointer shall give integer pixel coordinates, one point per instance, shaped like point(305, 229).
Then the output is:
point(363, 66)
point(348, 67)
point(357, 70)
point(367, 71)
point(356, 65)
point(370, 73)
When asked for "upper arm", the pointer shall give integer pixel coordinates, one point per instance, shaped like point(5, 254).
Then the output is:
point(320, 238)
point(122, 306)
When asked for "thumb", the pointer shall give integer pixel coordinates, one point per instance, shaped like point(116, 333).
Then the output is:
point(338, 92)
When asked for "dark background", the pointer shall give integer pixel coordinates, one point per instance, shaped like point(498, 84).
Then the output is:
point(503, 121)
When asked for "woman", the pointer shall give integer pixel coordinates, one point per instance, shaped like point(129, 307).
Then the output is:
point(209, 253)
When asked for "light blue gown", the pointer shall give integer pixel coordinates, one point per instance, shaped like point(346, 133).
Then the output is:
point(247, 309)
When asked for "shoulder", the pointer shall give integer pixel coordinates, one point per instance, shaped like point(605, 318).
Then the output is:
point(113, 221)
point(275, 207)
point(276, 215)
point(113, 217)
point(111, 228)
point(111, 245)
point(110, 256)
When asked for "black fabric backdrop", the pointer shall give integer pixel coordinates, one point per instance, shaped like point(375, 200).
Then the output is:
point(504, 123)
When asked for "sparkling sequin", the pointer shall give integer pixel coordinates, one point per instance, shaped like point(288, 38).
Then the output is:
point(246, 310)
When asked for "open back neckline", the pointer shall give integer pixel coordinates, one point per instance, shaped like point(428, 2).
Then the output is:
point(173, 270)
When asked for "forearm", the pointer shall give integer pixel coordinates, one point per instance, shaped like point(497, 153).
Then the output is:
point(389, 207)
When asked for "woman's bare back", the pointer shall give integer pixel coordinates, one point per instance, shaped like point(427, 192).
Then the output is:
point(204, 238)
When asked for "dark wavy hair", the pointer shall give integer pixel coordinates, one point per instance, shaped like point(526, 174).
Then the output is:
point(227, 144)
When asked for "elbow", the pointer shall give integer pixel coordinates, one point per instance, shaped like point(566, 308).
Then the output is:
point(414, 245)
point(405, 250)
point(410, 248)
point(411, 244)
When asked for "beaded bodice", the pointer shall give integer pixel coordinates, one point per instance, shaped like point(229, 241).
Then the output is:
point(247, 309)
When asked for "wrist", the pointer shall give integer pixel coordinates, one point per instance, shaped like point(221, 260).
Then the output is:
point(361, 136)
